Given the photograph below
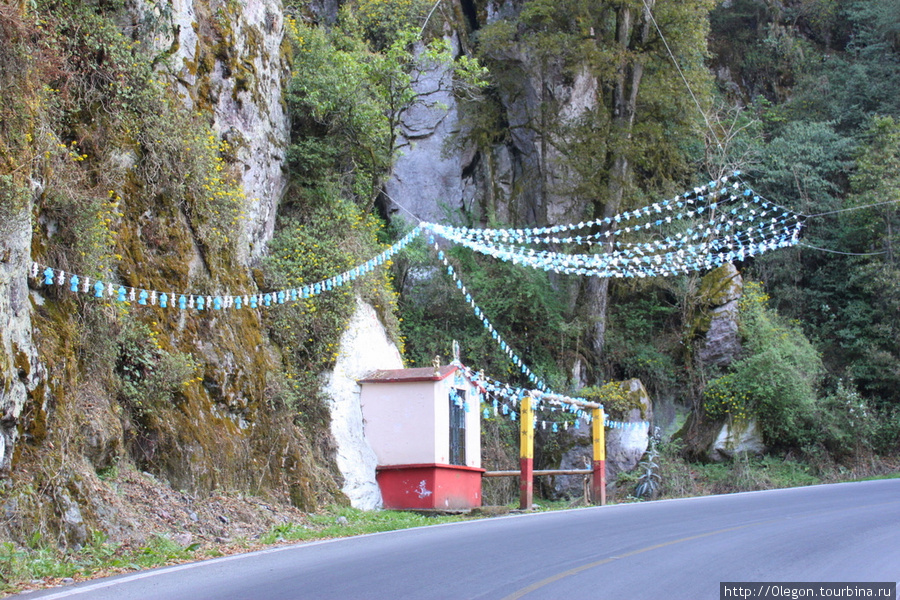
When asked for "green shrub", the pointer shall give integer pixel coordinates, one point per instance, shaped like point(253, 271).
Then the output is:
point(340, 126)
point(634, 346)
point(326, 235)
point(149, 376)
point(381, 20)
point(851, 424)
point(616, 401)
point(887, 432)
point(723, 397)
point(777, 381)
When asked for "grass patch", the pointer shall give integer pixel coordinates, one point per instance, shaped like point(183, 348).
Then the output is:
point(339, 521)
point(20, 565)
point(681, 478)
point(876, 477)
point(748, 474)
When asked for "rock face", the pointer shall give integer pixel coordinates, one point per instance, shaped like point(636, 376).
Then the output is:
point(737, 437)
point(215, 421)
point(425, 181)
point(719, 293)
point(21, 373)
point(519, 181)
point(624, 447)
point(230, 57)
point(364, 347)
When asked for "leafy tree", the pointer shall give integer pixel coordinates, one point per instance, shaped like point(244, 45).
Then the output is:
point(346, 100)
point(383, 22)
point(858, 74)
point(339, 124)
point(633, 142)
point(873, 285)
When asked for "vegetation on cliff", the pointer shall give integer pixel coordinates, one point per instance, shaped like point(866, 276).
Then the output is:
point(112, 147)
point(116, 162)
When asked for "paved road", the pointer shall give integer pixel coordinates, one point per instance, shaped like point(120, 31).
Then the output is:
point(670, 549)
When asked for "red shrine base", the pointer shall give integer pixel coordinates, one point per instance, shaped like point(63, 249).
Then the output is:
point(430, 486)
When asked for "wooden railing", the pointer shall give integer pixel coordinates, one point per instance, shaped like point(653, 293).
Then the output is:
point(539, 472)
point(526, 472)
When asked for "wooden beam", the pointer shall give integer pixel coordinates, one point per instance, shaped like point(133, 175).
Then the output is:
point(539, 472)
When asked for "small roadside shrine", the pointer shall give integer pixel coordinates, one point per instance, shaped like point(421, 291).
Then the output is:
point(424, 426)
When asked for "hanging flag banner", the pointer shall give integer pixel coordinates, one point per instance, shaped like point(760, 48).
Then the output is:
point(541, 402)
point(721, 222)
point(704, 228)
point(736, 224)
point(214, 302)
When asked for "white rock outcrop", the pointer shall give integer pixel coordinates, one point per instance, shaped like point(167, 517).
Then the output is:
point(364, 347)
point(737, 437)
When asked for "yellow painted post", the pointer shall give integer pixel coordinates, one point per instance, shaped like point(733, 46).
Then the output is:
point(526, 454)
point(599, 448)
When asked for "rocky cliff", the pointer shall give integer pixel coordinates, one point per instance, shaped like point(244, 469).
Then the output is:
point(452, 167)
point(169, 148)
point(154, 160)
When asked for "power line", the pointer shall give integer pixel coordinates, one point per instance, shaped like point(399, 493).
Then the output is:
point(840, 210)
point(400, 206)
point(821, 214)
point(844, 253)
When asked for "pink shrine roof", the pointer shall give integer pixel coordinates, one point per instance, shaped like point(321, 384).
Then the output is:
point(409, 375)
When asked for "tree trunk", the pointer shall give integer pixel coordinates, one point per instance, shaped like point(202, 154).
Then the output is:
point(630, 38)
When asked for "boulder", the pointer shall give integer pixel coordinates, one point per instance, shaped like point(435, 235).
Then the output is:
point(718, 297)
point(73, 526)
point(737, 436)
point(624, 447)
point(441, 174)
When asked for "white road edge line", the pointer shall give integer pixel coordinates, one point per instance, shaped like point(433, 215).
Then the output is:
point(69, 592)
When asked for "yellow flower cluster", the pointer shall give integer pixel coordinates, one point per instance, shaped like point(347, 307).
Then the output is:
point(219, 200)
point(754, 295)
point(723, 398)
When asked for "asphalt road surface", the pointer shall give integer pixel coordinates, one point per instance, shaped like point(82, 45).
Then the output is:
point(669, 549)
